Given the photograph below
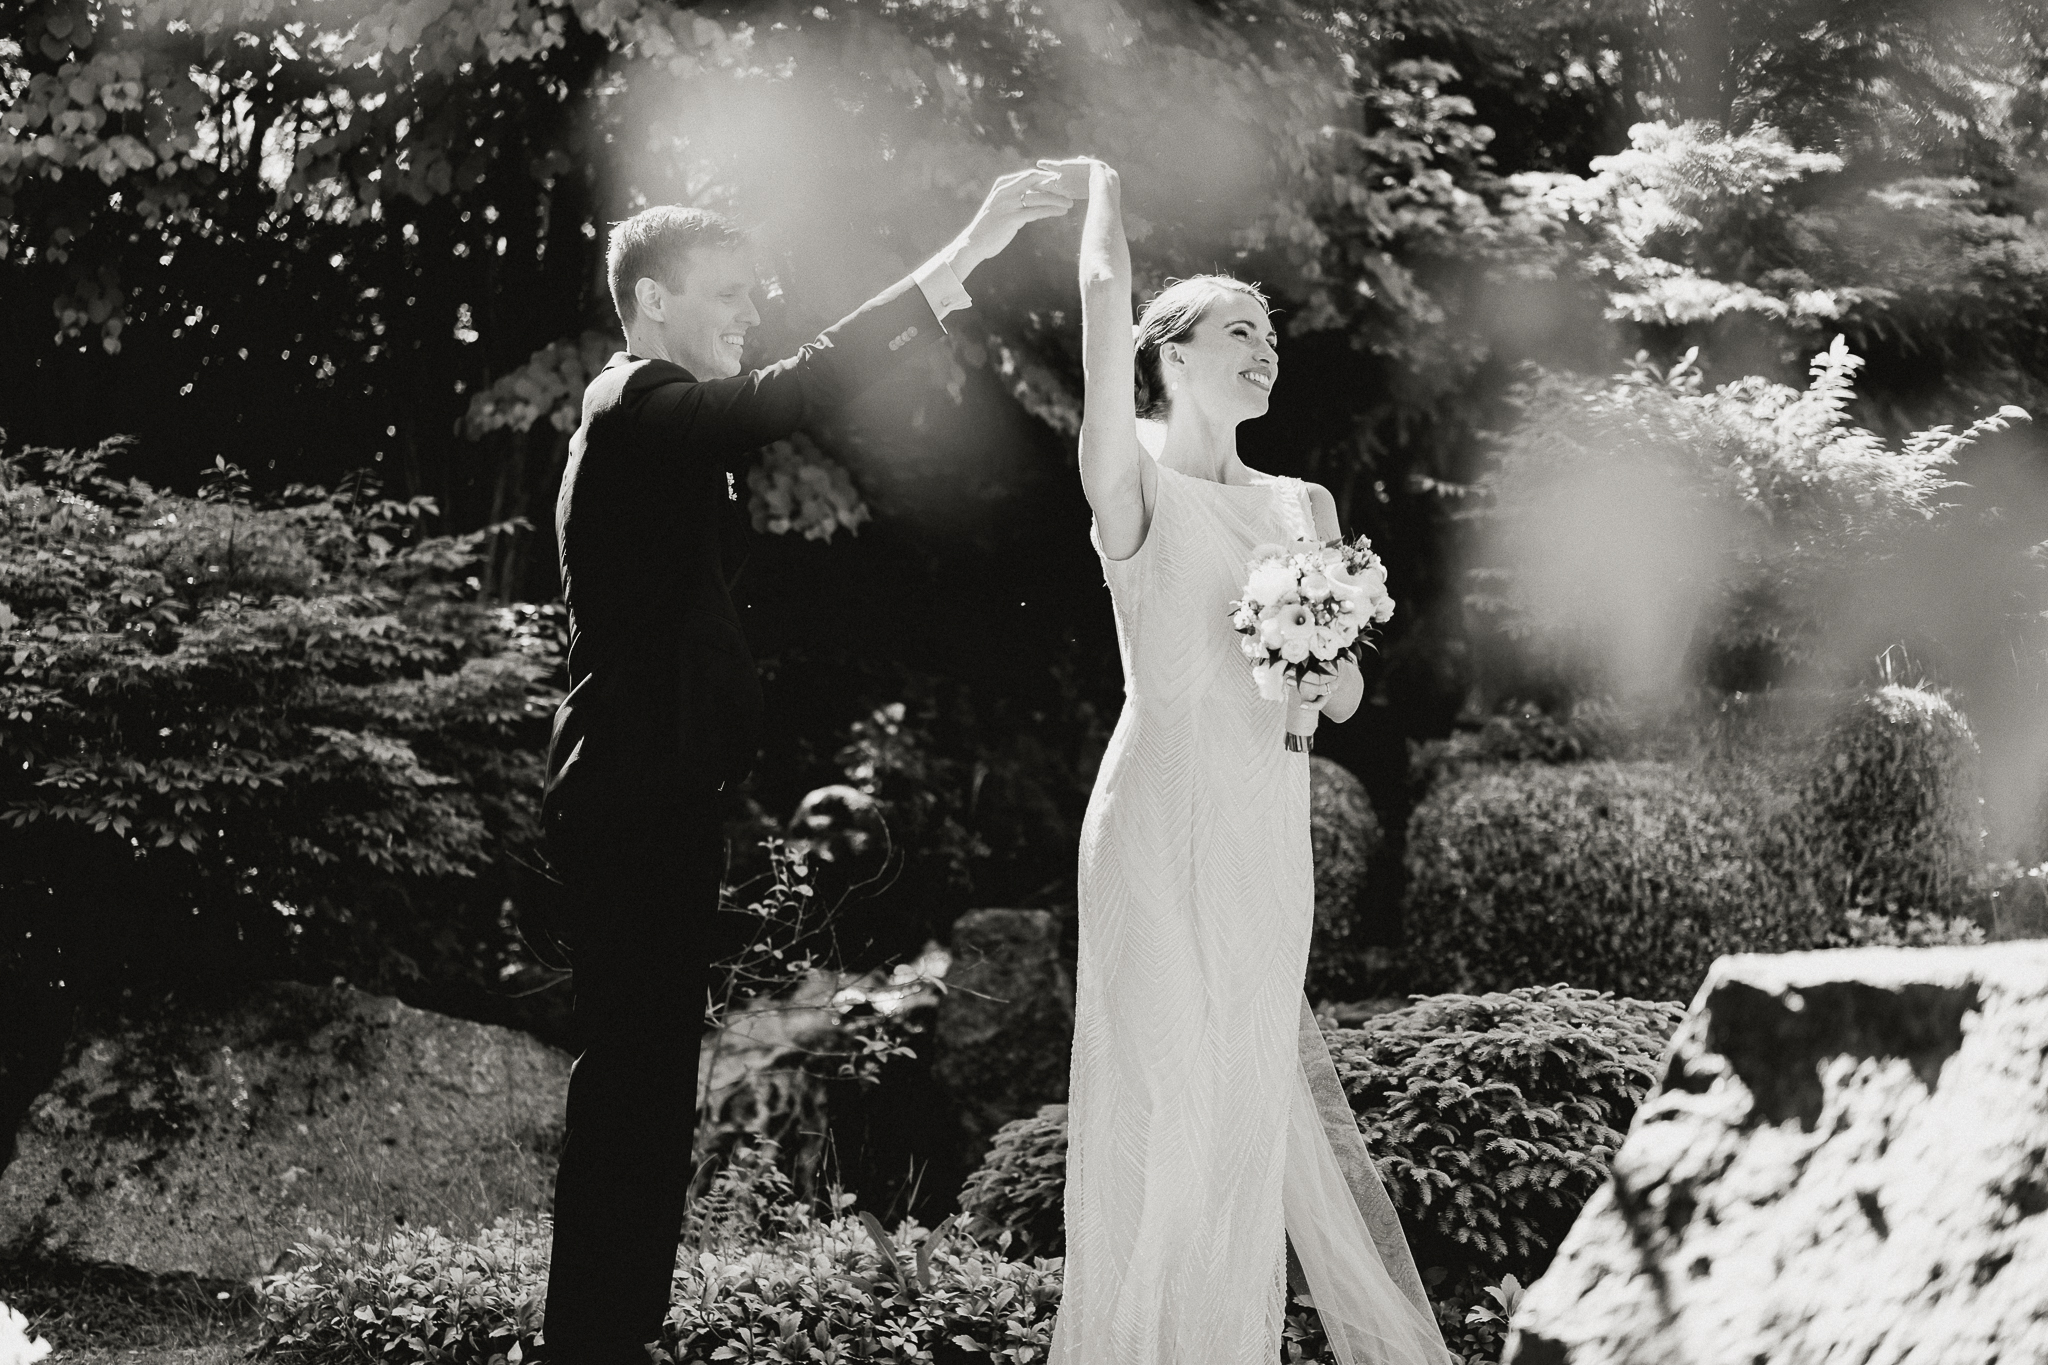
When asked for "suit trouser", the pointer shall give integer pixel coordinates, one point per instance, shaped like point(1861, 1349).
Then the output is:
point(641, 889)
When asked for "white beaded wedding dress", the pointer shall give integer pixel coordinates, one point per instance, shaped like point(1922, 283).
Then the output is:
point(1205, 1117)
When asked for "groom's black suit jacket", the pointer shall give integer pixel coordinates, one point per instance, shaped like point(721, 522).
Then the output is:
point(663, 699)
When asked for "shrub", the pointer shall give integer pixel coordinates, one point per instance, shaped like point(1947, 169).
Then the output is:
point(1643, 533)
point(2014, 898)
point(1629, 877)
point(245, 738)
point(1915, 930)
point(1520, 736)
point(1492, 1119)
point(1345, 833)
point(1893, 816)
point(1021, 1184)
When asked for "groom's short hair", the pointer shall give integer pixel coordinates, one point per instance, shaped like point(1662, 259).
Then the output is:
point(656, 244)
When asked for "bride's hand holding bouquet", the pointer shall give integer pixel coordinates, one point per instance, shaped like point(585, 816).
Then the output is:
point(1306, 608)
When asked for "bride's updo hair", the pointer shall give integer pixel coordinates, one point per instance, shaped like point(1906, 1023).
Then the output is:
point(1171, 316)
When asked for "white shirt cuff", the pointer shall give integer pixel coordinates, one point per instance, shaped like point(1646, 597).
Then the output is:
point(942, 288)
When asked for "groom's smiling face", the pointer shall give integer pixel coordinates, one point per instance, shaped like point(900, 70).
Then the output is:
point(703, 317)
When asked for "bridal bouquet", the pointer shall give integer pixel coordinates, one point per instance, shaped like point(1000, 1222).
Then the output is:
point(1305, 607)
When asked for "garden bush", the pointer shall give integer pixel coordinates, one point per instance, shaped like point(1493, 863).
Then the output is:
point(1345, 834)
point(1492, 1119)
point(1629, 877)
point(1632, 876)
point(238, 739)
point(1892, 812)
point(1021, 1184)
point(1643, 534)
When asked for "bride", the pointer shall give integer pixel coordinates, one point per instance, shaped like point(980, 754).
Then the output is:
point(1205, 1119)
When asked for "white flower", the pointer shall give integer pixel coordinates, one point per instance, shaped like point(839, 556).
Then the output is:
point(1295, 650)
point(1243, 619)
point(1270, 581)
point(1324, 644)
point(1314, 586)
point(1296, 623)
point(1269, 632)
point(16, 1346)
point(1383, 610)
point(1272, 680)
point(1253, 650)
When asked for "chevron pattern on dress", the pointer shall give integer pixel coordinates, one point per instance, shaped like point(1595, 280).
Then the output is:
point(1189, 1111)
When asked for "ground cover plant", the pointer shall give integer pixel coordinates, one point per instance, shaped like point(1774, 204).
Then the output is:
point(762, 1278)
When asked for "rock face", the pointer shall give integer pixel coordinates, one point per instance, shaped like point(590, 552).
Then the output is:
point(1846, 1161)
point(210, 1145)
point(1345, 834)
point(1006, 1023)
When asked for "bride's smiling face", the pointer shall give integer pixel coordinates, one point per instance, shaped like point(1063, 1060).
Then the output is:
point(1227, 366)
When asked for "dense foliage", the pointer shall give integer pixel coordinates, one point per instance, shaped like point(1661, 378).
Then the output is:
point(1633, 874)
point(1893, 801)
point(1628, 876)
point(1491, 1118)
point(1021, 1184)
point(799, 1289)
point(1655, 534)
point(234, 727)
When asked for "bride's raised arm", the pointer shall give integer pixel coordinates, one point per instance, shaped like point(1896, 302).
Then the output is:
point(1117, 474)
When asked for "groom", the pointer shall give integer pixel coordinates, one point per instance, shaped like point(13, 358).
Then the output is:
point(664, 710)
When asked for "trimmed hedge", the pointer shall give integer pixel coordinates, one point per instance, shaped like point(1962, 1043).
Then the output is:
point(1345, 833)
point(1894, 804)
point(1633, 876)
point(1626, 877)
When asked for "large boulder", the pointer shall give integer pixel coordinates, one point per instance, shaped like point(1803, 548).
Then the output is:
point(210, 1142)
point(1005, 1030)
point(1846, 1160)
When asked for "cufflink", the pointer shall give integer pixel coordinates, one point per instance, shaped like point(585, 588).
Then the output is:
point(908, 334)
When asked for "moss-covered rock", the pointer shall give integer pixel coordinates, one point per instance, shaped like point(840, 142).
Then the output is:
point(209, 1143)
point(1005, 1027)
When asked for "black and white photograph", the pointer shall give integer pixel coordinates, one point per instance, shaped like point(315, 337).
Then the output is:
point(1023, 682)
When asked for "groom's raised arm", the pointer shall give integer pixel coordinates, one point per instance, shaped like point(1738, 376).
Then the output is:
point(726, 418)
